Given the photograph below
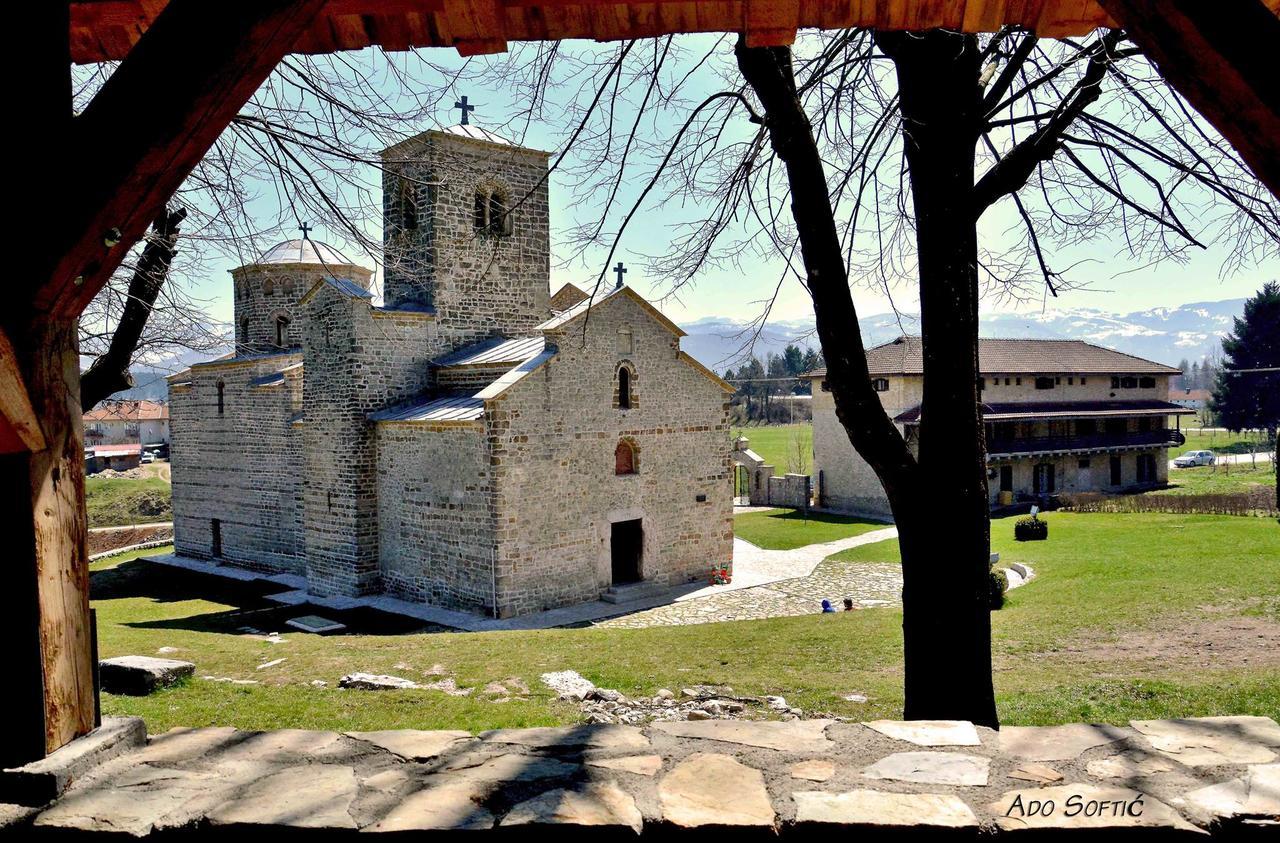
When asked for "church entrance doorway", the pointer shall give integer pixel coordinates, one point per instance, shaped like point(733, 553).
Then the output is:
point(627, 550)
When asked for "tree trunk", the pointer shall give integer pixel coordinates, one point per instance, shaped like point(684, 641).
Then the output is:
point(109, 372)
point(945, 559)
point(940, 501)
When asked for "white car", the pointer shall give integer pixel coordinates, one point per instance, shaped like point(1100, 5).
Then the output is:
point(1191, 458)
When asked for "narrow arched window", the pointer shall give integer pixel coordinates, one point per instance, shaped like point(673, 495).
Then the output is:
point(624, 388)
point(222, 403)
point(481, 210)
point(408, 205)
point(244, 331)
point(624, 458)
point(499, 217)
point(282, 331)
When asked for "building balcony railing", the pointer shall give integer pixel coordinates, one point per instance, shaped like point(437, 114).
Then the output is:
point(1164, 438)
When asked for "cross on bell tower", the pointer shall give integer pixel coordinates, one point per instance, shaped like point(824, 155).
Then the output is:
point(621, 271)
point(462, 104)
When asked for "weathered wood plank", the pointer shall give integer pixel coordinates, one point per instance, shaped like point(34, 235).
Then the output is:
point(21, 428)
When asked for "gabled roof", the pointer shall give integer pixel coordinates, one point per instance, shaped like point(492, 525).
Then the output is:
point(566, 297)
point(129, 411)
point(344, 286)
point(905, 356)
point(558, 321)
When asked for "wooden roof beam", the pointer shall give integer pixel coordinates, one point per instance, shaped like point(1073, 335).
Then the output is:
point(1221, 57)
point(149, 126)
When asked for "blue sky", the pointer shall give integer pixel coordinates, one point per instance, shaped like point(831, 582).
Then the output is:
point(1113, 279)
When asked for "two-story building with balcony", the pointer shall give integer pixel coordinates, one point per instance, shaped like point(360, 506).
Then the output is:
point(1060, 416)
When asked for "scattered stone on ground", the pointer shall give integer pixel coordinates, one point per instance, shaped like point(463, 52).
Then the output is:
point(885, 810)
point(448, 686)
point(315, 624)
point(164, 651)
point(1057, 743)
point(710, 789)
point(928, 732)
point(376, 682)
point(855, 698)
point(140, 675)
point(1034, 772)
point(1130, 765)
point(230, 680)
point(817, 770)
point(951, 768)
point(271, 663)
point(505, 690)
point(568, 684)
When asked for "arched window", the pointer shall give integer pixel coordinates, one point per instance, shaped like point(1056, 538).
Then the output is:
point(624, 388)
point(624, 458)
point(244, 331)
point(222, 404)
point(282, 330)
point(491, 214)
point(408, 205)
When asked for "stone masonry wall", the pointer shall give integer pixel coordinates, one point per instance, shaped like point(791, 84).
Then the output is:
point(358, 359)
point(241, 467)
point(553, 437)
point(479, 283)
point(436, 539)
point(264, 290)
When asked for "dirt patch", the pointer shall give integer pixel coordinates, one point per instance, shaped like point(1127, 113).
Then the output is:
point(1221, 642)
point(100, 541)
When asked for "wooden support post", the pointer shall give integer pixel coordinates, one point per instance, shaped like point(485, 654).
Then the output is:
point(137, 140)
point(1221, 57)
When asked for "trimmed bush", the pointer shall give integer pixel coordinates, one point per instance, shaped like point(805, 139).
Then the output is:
point(998, 584)
point(1031, 529)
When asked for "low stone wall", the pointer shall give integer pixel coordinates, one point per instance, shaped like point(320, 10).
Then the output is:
point(790, 490)
point(803, 778)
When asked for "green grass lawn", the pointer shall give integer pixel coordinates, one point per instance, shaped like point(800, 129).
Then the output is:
point(113, 501)
point(784, 529)
point(1111, 629)
point(1219, 441)
point(1218, 479)
point(777, 444)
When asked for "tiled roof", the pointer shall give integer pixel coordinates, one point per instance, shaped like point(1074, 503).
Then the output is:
point(128, 411)
point(496, 351)
point(904, 356)
point(1025, 410)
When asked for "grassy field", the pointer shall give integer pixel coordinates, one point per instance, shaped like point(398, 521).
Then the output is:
point(112, 501)
point(1130, 616)
point(777, 444)
point(784, 529)
point(1218, 441)
point(1218, 479)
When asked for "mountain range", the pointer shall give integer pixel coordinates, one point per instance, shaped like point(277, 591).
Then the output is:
point(1164, 334)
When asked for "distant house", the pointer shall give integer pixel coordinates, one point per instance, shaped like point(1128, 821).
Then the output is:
point(1060, 416)
point(118, 457)
point(127, 422)
point(1192, 399)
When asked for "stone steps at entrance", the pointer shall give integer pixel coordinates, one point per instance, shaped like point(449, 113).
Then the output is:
point(631, 592)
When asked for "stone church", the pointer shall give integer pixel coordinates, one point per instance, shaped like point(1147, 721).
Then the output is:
point(470, 442)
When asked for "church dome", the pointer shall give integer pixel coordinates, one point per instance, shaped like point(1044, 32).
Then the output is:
point(304, 251)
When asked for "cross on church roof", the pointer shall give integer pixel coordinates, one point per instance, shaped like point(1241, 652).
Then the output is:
point(305, 229)
point(621, 270)
point(462, 104)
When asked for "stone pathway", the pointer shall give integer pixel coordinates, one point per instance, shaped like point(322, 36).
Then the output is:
point(1199, 777)
point(780, 583)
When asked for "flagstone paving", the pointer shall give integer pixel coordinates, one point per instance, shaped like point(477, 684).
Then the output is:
point(751, 776)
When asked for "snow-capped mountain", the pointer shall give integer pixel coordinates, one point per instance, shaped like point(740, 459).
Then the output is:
point(1163, 334)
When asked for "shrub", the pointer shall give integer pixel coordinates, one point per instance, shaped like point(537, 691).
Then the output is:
point(1031, 529)
point(1257, 501)
point(997, 584)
